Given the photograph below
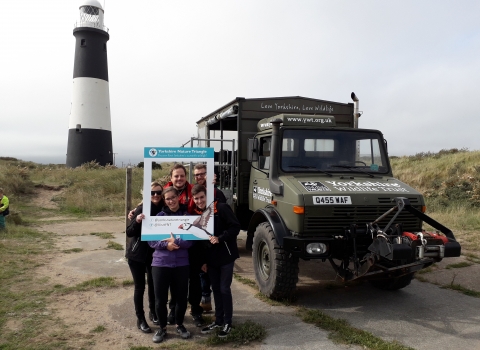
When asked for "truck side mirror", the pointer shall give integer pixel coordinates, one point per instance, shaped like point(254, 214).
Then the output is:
point(252, 153)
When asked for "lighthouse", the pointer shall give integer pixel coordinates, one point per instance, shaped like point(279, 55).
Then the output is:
point(90, 133)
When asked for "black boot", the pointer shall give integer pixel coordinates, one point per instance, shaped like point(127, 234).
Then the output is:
point(143, 326)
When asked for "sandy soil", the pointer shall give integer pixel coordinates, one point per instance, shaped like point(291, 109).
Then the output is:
point(82, 312)
point(113, 308)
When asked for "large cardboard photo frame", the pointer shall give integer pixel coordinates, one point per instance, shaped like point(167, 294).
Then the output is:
point(155, 228)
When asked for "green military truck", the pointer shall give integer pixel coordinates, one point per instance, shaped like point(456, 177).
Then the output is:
point(307, 183)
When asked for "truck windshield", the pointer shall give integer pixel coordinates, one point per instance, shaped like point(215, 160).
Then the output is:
point(333, 151)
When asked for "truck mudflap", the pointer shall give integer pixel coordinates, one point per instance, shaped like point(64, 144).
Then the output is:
point(394, 252)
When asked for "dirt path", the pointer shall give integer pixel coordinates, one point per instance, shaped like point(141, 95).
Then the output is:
point(81, 256)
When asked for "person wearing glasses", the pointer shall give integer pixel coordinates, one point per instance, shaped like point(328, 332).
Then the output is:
point(205, 302)
point(170, 269)
point(200, 174)
point(139, 255)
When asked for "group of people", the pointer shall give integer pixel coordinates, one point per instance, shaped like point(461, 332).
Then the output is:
point(186, 268)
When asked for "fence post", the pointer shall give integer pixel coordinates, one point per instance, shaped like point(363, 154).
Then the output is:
point(128, 203)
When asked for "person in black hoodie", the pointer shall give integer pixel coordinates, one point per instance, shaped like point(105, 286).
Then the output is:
point(222, 253)
point(139, 255)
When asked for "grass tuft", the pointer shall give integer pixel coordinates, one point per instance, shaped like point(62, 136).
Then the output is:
point(100, 282)
point(104, 235)
point(463, 290)
point(73, 250)
point(241, 334)
point(341, 331)
point(114, 245)
point(458, 265)
point(98, 329)
point(244, 280)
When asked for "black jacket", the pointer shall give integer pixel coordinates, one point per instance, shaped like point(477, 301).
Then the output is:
point(219, 196)
point(226, 228)
point(143, 253)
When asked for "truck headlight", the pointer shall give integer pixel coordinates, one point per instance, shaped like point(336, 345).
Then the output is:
point(316, 248)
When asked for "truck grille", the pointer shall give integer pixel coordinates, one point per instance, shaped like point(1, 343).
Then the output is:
point(343, 216)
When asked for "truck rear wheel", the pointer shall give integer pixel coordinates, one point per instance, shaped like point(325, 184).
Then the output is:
point(275, 272)
point(393, 283)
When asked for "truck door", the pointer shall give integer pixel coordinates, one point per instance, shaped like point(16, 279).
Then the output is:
point(259, 189)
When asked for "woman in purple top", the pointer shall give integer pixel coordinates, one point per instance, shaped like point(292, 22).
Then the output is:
point(170, 268)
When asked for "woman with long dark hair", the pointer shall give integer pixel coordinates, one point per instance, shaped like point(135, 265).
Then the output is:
point(139, 255)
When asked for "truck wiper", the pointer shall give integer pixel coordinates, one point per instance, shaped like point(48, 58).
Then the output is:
point(358, 169)
point(309, 167)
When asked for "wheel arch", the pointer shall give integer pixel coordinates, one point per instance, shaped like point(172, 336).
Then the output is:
point(270, 215)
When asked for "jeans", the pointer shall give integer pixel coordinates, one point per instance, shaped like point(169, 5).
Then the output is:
point(177, 279)
point(221, 279)
point(138, 270)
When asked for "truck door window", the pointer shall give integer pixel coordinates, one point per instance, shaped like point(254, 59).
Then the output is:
point(264, 158)
point(369, 152)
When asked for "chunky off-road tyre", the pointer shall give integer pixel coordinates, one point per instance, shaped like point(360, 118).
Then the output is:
point(393, 283)
point(276, 272)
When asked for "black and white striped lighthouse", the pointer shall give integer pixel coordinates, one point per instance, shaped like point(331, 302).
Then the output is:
point(90, 134)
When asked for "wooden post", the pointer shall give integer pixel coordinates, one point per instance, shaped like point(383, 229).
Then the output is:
point(128, 202)
point(128, 194)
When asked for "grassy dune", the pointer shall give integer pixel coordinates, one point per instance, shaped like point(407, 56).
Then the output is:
point(450, 182)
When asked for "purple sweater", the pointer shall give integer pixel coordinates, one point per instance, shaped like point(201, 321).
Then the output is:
point(162, 257)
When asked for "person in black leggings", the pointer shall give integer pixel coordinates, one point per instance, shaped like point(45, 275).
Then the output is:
point(139, 255)
point(170, 268)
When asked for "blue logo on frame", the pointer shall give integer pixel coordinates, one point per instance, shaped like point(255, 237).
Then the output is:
point(153, 152)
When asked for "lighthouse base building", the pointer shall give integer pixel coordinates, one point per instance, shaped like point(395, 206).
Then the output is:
point(89, 134)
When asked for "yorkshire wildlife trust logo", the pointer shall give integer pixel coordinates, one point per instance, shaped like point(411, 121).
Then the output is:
point(314, 186)
point(152, 152)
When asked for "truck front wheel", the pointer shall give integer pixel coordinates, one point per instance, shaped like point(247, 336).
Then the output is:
point(276, 272)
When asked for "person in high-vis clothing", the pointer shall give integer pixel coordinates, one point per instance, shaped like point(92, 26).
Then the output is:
point(4, 203)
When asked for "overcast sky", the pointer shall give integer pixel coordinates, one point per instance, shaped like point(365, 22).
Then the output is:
point(415, 66)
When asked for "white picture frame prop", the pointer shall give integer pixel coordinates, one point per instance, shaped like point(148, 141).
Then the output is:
point(156, 228)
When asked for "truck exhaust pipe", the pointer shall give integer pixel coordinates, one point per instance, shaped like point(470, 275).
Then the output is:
point(356, 112)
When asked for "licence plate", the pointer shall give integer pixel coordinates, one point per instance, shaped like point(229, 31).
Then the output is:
point(335, 200)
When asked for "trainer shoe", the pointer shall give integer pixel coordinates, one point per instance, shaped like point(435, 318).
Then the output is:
point(225, 331)
point(159, 335)
point(198, 320)
point(171, 317)
point(210, 328)
point(183, 332)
